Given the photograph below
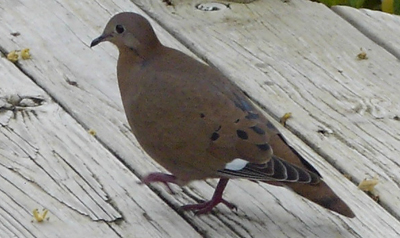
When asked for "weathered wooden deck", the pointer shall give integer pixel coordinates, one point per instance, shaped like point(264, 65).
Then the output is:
point(288, 56)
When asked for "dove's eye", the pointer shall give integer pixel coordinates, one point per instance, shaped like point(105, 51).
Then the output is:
point(119, 29)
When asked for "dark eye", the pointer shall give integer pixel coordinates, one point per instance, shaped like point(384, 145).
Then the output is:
point(119, 29)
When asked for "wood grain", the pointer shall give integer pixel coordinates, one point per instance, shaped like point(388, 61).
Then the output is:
point(294, 56)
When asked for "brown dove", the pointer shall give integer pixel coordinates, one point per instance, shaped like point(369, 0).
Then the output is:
point(197, 124)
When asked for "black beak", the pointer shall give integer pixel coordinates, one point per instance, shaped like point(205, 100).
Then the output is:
point(98, 40)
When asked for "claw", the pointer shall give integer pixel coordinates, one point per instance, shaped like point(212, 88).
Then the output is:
point(205, 207)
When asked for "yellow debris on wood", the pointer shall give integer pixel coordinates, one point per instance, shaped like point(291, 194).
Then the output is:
point(40, 217)
point(92, 132)
point(25, 54)
point(362, 55)
point(285, 117)
point(13, 56)
point(368, 185)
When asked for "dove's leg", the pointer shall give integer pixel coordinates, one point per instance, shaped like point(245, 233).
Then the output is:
point(160, 177)
point(199, 208)
point(206, 207)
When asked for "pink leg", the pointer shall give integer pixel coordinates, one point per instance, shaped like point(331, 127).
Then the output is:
point(199, 208)
point(160, 177)
point(205, 207)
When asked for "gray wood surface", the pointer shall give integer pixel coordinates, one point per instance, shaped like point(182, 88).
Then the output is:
point(294, 56)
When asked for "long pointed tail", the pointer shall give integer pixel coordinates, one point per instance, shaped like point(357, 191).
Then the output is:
point(319, 193)
point(323, 195)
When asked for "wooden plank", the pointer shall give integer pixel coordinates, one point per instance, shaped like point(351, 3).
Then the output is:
point(381, 27)
point(61, 56)
point(48, 160)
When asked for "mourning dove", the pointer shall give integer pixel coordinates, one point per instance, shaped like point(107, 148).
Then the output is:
point(197, 124)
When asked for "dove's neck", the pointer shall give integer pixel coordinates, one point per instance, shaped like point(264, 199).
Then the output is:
point(131, 70)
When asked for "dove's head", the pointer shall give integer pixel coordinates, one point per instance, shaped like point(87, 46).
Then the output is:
point(128, 30)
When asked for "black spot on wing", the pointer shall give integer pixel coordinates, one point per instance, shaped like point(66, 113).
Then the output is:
point(264, 147)
point(242, 134)
point(214, 136)
point(258, 130)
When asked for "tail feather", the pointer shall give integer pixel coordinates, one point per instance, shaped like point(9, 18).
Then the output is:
point(320, 192)
point(323, 195)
